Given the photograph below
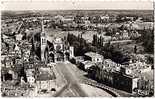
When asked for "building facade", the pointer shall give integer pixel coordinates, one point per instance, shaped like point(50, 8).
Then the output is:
point(61, 51)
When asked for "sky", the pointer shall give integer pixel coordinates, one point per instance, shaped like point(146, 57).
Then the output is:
point(76, 5)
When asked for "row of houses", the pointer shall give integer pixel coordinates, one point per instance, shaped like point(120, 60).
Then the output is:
point(21, 65)
point(90, 58)
point(123, 77)
point(42, 80)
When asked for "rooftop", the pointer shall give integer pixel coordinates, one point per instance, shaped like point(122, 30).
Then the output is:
point(58, 40)
point(45, 75)
point(88, 62)
point(92, 54)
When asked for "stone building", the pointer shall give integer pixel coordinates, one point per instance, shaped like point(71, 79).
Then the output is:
point(61, 51)
point(55, 49)
point(115, 75)
point(45, 80)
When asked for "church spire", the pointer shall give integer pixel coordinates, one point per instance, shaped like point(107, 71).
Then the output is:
point(42, 27)
point(43, 43)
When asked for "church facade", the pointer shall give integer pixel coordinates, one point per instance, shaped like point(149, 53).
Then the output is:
point(61, 50)
point(58, 50)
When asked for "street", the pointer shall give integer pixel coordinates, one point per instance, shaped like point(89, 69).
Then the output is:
point(71, 79)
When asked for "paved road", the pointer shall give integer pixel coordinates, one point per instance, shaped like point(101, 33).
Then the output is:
point(72, 80)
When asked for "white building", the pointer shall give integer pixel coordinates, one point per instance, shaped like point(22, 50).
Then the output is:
point(30, 74)
point(19, 37)
point(87, 64)
point(94, 57)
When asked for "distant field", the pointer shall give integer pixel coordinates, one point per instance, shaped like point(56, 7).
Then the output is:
point(74, 12)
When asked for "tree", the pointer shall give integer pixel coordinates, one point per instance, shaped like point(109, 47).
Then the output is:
point(135, 49)
point(94, 42)
point(101, 41)
point(148, 41)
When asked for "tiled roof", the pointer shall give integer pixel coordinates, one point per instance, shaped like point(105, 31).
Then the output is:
point(44, 76)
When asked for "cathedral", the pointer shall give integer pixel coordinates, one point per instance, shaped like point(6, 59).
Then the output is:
point(61, 50)
point(55, 50)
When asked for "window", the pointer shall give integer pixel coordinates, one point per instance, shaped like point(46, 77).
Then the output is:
point(43, 40)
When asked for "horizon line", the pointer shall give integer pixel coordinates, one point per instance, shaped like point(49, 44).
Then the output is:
point(77, 5)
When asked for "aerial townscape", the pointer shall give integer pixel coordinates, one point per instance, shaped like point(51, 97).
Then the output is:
point(77, 53)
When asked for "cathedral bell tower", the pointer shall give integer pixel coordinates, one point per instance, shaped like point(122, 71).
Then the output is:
point(43, 43)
